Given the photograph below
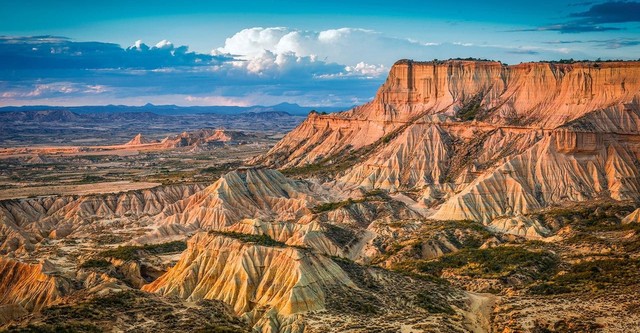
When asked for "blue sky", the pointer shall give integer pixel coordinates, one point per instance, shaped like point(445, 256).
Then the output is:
point(266, 52)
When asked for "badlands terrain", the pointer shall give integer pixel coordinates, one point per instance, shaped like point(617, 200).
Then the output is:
point(467, 196)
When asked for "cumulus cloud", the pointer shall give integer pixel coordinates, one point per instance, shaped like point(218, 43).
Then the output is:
point(346, 45)
point(334, 67)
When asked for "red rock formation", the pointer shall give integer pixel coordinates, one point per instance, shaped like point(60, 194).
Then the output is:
point(29, 286)
point(530, 95)
point(482, 139)
point(139, 140)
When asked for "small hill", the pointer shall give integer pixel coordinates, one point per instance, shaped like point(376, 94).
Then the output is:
point(139, 140)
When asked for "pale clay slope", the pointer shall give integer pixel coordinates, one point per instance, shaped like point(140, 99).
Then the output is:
point(286, 279)
point(274, 286)
point(26, 222)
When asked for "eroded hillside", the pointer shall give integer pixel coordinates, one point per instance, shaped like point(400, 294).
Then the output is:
point(466, 197)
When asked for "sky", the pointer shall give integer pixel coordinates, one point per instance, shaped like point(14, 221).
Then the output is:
point(313, 53)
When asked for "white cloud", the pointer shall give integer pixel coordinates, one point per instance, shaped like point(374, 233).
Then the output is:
point(52, 88)
point(350, 46)
point(164, 45)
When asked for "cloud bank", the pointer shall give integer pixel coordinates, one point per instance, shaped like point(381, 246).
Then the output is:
point(334, 67)
point(599, 17)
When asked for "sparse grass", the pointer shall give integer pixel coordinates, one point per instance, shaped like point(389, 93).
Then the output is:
point(592, 275)
point(498, 262)
point(95, 263)
point(329, 206)
point(433, 303)
point(263, 239)
point(130, 252)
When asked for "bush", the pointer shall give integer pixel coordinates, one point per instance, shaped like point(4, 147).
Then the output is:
point(263, 240)
point(130, 252)
point(433, 303)
point(596, 274)
point(494, 263)
point(95, 263)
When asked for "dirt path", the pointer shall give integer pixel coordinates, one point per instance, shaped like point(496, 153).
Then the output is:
point(478, 319)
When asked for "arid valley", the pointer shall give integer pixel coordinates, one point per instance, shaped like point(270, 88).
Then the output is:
point(346, 166)
point(467, 196)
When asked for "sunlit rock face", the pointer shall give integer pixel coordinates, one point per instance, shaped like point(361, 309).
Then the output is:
point(28, 287)
point(533, 95)
point(283, 279)
point(483, 140)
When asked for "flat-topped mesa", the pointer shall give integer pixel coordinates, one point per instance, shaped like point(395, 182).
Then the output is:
point(527, 96)
point(534, 94)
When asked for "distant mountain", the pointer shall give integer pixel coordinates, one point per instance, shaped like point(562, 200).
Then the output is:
point(293, 109)
point(40, 116)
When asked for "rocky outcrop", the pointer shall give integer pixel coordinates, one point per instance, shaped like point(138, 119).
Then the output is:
point(259, 194)
point(26, 222)
point(29, 287)
point(286, 279)
point(530, 95)
point(634, 217)
point(552, 171)
point(139, 140)
point(204, 137)
point(481, 140)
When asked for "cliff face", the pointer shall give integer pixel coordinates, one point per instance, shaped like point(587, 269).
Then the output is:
point(483, 140)
point(28, 287)
point(530, 95)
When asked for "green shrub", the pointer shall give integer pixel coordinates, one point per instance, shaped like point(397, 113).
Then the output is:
point(495, 262)
point(433, 303)
point(95, 263)
point(130, 252)
point(264, 240)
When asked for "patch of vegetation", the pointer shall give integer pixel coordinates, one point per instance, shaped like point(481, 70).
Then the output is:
point(592, 275)
point(221, 168)
point(497, 262)
point(263, 239)
point(433, 303)
point(121, 310)
point(604, 216)
point(88, 179)
point(472, 109)
point(71, 327)
point(341, 236)
point(130, 252)
point(329, 206)
point(95, 263)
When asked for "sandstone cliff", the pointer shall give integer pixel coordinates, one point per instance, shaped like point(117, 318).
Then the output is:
point(482, 140)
